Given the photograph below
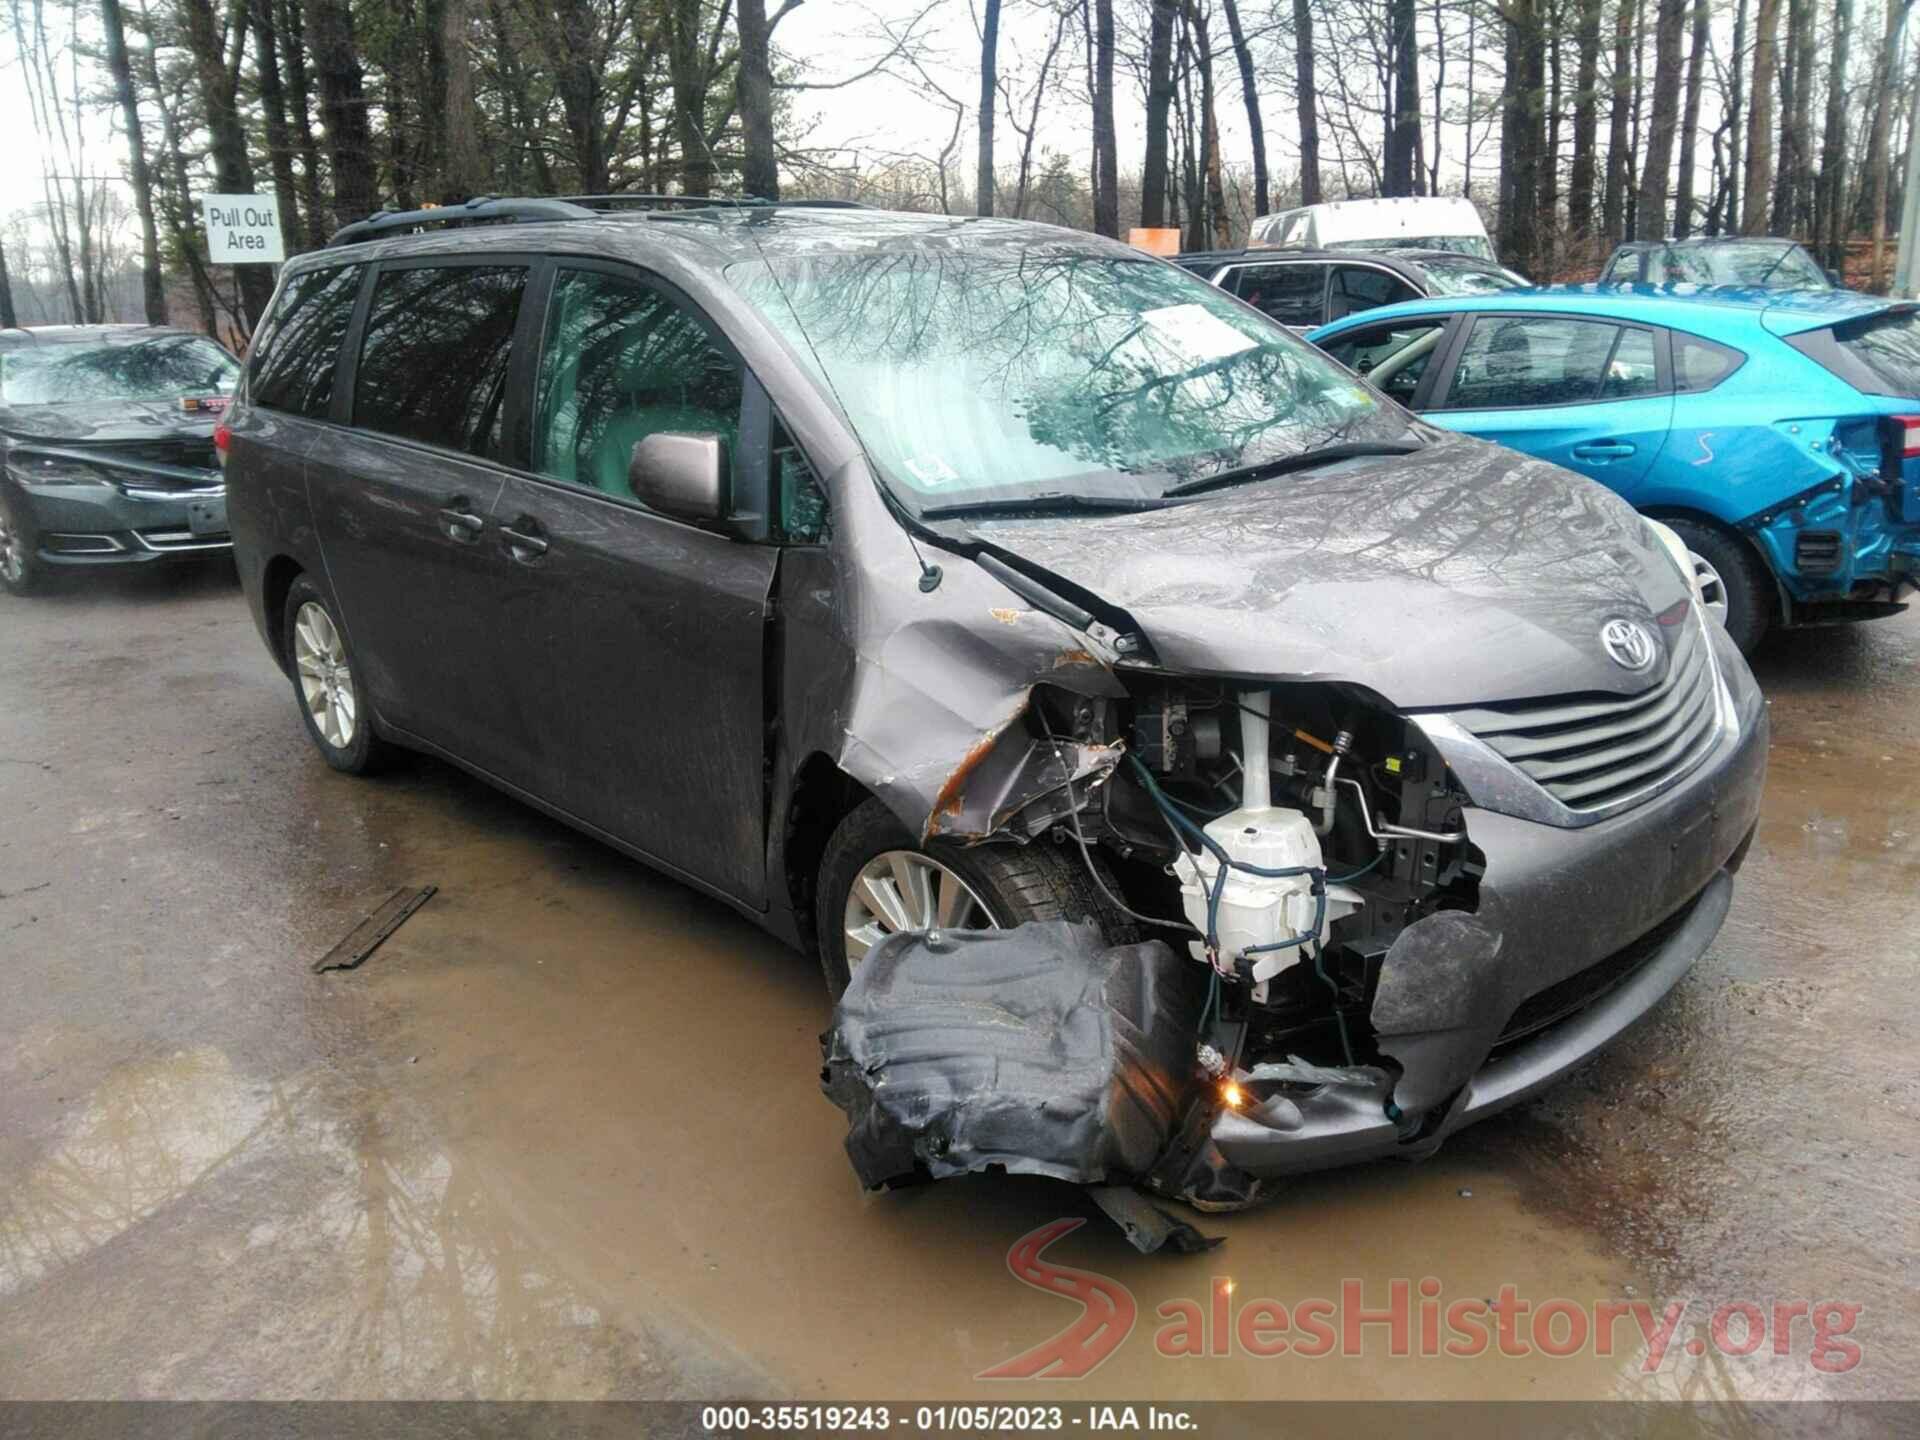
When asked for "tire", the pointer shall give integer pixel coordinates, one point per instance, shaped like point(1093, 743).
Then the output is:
point(1011, 883)
point(1749, 589)
point(21, 569)
point(326, 682)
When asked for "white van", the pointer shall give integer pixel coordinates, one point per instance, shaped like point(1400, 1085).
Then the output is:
point(1432, 222)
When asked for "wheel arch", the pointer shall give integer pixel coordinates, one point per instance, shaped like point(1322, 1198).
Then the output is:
point(276, 580)
point(1782, 601)
point(820, 797)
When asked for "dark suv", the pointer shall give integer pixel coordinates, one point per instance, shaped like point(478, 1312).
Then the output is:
point(888, 574)
point(106, 447)
point(1306, 288)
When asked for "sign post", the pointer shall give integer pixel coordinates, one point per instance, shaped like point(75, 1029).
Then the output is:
point(243, 229)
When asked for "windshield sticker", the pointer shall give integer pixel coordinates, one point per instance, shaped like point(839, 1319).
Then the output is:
point(204, 403)
point(931, 471)
point(1197, 332)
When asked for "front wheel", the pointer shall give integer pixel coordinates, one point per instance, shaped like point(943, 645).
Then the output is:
point(326, 682)
point(877, 879)
point(20, 568)
point(1734, 587)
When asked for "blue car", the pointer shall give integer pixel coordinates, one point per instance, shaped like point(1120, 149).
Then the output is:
point(1777, 432)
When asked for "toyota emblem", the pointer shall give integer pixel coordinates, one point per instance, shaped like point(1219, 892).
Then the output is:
point(1629, 643)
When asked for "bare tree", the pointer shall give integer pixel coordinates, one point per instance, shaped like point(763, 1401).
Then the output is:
point(1403, 108)
point(343, 107)
point(1879, 161)
point(1307, 101)
point(152, 283)
point(1833, 153)
point(1619, 121)
point(1106, 160)
point(989, 64)
point(1650, 210)
point(1690, 119)
point(1250, 94)
point(1766, 25)
point(1586, 109)
point(1153, 182)
point(9, 320)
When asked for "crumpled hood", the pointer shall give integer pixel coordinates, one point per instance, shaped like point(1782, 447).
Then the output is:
point(119, 420)
point(1464, 574)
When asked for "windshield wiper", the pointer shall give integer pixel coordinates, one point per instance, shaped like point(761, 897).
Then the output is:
point(1029, 504)
point(1287, 464)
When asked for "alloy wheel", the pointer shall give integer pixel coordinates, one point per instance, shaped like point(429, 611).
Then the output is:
point(905, 890)
point(326, 683)
point(1713, 590)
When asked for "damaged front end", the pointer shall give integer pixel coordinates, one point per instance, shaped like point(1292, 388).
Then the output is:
point(1328, 950)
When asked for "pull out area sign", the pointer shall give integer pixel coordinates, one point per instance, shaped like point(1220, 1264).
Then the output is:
point(242, 229)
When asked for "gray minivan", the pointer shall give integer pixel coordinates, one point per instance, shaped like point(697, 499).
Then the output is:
point(890, 577)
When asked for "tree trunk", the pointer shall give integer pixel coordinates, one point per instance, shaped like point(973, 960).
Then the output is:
point(1106, 150)
point(1833, 154)
point(1736, 126)
point(220, 101)
point(1218, 229)
point(1619, 146)
point(1586, 110)
point(1307, 103)
point(989, 63)
point(1552, 12)
point(1403, 121)
point(1690, 120)
point(293, 49)
point(1670, 24)
point(343, 109)
point(1250, 93)
point(465, 172)
point(686, 66)
point(760, 174)
point(8, 318)
point(1523, 135)
point(1879, 161)
point(152, 283)
point(1634, 155)
point(1753, 215)
point(1153, 180)
point(1786, 177)
point(273, 107)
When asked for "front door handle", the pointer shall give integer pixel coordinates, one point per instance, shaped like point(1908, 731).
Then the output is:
point(1603, 450)
point(461, 521)
point(523, 540)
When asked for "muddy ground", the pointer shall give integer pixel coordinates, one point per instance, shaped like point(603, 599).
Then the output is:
point(561, 1136)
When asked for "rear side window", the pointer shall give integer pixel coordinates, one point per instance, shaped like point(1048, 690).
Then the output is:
point(1878, 355)
point(1632, 370)
point(433, 362)
point(621, 362)
point(1291, 294)
point(1361, 287)
point(1701, 364)
point(1518, 360)
point(293, 362)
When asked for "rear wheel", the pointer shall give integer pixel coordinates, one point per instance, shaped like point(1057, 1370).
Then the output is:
point(877, 879)
point(326, 683)
point(20, 567)
point(1734, 586)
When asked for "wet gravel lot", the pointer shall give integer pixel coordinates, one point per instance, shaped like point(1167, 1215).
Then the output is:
point(561, 1136)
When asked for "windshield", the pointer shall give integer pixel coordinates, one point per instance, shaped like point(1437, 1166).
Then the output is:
point(159, 367)
point(1772, 267)
point(1030, 371)
point(1474, 245)
point(1463, 277)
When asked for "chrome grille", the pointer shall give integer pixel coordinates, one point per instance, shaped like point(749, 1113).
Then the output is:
point(1590, 753)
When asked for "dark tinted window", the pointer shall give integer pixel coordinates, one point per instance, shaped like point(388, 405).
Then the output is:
point(433, 363)
point(1362, 287)
point(1516, 360)
point(1292, 294)
point(293, 362)
point(1887, 348)
point(1700, 364)
point(1393, 357)
point(621, 362)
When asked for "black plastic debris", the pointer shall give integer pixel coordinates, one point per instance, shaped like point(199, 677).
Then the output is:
point(366, 937)
point(1039, 1050)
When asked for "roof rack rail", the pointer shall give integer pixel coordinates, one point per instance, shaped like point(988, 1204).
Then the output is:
point(479, 210)
point(485, 209)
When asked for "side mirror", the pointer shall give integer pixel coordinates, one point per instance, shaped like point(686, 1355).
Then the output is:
point(681, 475)
point(1838, 280)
